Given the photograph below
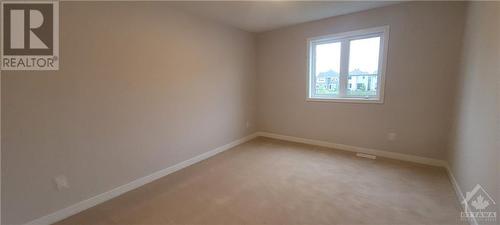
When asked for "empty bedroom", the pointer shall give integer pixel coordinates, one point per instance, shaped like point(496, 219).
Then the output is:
point(250, 112)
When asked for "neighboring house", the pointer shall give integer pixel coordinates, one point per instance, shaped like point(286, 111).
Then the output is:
point(358, 80)
point(362, 81)
point(329, 80)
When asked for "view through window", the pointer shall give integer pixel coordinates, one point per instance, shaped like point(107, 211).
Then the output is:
point(327, 68)
point(347, 66)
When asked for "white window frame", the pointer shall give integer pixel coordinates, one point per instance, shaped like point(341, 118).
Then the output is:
point(345, 38)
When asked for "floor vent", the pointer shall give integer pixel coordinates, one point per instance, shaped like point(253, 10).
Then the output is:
point(366, 156)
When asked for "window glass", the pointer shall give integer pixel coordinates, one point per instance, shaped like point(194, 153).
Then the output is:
point(327, 68)
point(363, 67)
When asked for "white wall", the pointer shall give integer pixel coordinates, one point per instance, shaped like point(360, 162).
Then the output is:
point(424, 44)
point(140, 87)
point(474, 154)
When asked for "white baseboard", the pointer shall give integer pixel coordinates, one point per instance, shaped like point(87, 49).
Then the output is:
point(381, 153)
point(91, 202)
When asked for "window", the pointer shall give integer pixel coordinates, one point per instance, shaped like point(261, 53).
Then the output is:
point(348, 67)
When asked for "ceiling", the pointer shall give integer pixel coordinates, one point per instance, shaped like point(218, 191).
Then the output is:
point(259, 16)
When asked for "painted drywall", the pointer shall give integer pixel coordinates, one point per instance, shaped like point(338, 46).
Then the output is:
point(474, 155)
point(424, 44)
point(140, 88)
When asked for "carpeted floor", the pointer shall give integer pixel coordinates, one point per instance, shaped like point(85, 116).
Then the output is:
point(267, 181)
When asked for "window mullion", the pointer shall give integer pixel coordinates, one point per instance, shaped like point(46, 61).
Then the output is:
point(344, 68)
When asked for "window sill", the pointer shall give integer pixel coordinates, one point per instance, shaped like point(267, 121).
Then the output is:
point(346, 100)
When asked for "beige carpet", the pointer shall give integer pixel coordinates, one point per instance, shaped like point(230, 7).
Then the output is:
point(267, 181)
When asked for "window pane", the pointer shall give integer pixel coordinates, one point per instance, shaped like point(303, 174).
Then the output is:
point(363, 67)
point(327, 69)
